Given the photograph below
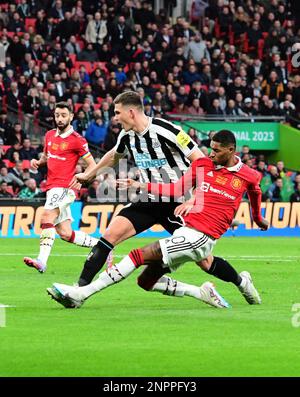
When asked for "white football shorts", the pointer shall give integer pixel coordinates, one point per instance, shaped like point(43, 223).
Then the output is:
point(185, 245)
point(62, 198)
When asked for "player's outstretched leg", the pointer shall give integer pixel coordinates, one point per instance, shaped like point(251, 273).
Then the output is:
point(207, 292)
point(248, 290)
point(75, 296)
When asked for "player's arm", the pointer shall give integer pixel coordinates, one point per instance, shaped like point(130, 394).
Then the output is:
point(178, 189)
point(110, 159)
point(35, 164)
point(195, 155)
point(254, 194)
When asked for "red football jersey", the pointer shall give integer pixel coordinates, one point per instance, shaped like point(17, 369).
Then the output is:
point(63, 152)
point(219, 191)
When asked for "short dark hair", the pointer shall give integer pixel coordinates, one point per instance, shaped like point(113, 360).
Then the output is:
point(62, 105)
point(225, 138)
point(129, 98)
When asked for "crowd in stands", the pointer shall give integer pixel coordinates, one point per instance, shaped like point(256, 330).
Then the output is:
point(234, 58)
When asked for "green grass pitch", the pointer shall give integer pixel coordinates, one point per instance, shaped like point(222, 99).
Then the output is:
point(125, 331)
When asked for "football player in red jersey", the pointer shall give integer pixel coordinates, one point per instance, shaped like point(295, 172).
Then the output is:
point(220, 185)
point(62, 150)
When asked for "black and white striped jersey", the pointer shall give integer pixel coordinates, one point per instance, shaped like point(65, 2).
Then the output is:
point(160, 152)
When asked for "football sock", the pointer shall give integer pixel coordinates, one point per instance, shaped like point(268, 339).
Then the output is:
point(82, 239)
point(47, 238)
point(95, 261)
point(167, 286)
point(112, 275)
point(221, 269)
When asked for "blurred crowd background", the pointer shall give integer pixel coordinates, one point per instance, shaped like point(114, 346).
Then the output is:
point(218, 59)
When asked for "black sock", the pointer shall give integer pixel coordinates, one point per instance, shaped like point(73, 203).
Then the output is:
point(95, 261)
point(224, 271)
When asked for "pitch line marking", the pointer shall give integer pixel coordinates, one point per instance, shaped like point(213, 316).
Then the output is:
point(289, 258)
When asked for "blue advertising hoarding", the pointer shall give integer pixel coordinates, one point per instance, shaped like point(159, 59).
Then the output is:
point(24, 220)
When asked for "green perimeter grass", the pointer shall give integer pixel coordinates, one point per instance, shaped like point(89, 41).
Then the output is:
point(125, 331)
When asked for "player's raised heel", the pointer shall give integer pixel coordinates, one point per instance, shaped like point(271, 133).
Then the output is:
point(248, 290)
point(210, 295)
point(36, 263)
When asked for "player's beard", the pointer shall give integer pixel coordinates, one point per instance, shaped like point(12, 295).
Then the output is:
point(62, 127)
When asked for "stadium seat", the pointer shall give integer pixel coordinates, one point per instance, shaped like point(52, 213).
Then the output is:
point(26, 164)
point(77, 106)
point(10, 190)
point(8, 163)
point(4, 7)
point(97, 106)
point(5, 148)
point(30, 22)
point(73, 58)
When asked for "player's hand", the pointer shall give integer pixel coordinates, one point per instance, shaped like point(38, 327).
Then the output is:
point(184, 208)
point(34, 164)
point(77, 186)
point(263, 224)
point(79, 178)
point(123, 184)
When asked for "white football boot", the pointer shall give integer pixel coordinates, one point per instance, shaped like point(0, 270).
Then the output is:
point(210, 295)
point(72, 296)
point(248, 290)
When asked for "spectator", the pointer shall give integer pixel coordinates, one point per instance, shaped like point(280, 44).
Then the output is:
point(80, 123)
point(193, 134)
point(17, 136)
point(295, 197)
point(5, 127)
point(9, 178)
point(275, 190)
point(27, 152)
point(272, 87)
point(88, 54)
point(96, 132)
point(17, 170)
point(4, 191)
point(111, 136)
point(196, 49)
point(30, 191)
point(96, 30)
point(92, 191)
point(195, 109)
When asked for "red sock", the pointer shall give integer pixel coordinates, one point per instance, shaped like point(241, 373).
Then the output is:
point(47, 225)
point(137, 257)
point(72, 238)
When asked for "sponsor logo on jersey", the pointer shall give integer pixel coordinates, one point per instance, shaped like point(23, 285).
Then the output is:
point(144, 161)
point(236, 183)
point(221, 180)
point(206, 187)
point(183, 139)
